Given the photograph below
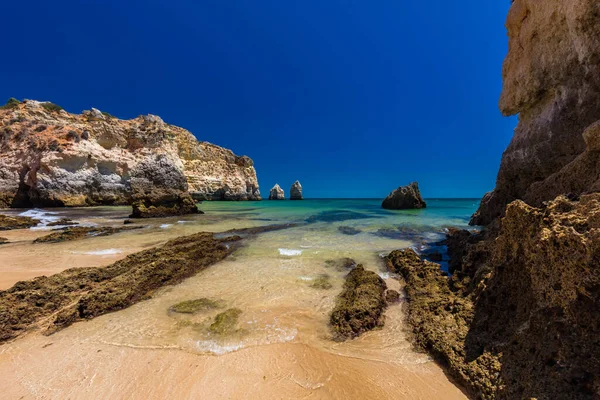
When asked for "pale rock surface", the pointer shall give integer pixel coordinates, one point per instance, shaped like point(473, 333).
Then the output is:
point(60, 159)
point(276, 193)
point(296, 191)
point(552, 80)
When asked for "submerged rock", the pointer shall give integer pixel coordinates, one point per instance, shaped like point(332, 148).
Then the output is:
point(226, 322)
point(341, 264)
point(296, 191)
point(405, 197)
point(3, 240)
point(348, 230)
point(17, 222)
point(322, 282)
point(81, 232)
point(63, 222)
point(276, 193)
point(195, 306)
point(55, 302)
point(360, 306)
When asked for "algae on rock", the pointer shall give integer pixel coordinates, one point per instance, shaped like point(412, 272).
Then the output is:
point(76, 294)
point(226, 322)
point(360, 306)
point(195, 306)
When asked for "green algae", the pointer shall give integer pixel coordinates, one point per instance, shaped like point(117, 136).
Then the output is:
point(322, 282)
point(196, 306)
point(360, 306)
point(225, 323)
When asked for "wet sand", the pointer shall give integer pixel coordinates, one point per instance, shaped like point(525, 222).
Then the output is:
point(58, 368)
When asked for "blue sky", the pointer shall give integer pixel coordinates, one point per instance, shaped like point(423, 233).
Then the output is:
point(353, 98)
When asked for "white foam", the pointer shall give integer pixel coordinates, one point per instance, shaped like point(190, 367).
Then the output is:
point(384, 275)
point(45, 217)
point(210, 346)
point(165, 226)
point(290, 252)
point(105, 252)
point(183, 222)
point(306, 278)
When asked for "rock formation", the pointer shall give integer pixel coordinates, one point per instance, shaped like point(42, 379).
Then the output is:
point(296, 191)
point(552, 80)
point(159, 188)
point(405, 197)
point(49, 157)
point(276, 193)
point(360, 306)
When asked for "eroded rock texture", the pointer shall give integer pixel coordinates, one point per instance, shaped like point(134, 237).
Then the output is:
point(519, 317)
point(296, 191)
point(405, 197)
point(276, 193)
point(49, 157)
point(552, 80)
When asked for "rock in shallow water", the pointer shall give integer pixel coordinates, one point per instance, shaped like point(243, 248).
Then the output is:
point(76, 294)
point(360, 306)
point(8, 223)
point(404, 198)
point(276, 193)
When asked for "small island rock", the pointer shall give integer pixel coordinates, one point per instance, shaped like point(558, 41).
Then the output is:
point(296, 191)
point(276, 193)
point(405, 197)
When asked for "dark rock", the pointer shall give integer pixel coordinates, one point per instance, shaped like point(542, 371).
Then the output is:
point(196, 306)
point(392, 296)
point(3, 240)
point(226, 322)
point(81, 232)
point(341, 264)
point(276, 193)
point(360, 306)
point(296, 191)
point(128, 221)
point(17, 222)
point(348, 230)
point(63, 222)
point(404, 198)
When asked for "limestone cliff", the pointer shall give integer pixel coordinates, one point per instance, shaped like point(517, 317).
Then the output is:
point(49, 157)
point(551, 78)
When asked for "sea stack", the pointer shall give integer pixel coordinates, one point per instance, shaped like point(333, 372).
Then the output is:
point(296, 191)
point(404, 198)
point(276, 193)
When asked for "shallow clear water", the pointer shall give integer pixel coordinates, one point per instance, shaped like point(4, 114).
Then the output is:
point(269, 278)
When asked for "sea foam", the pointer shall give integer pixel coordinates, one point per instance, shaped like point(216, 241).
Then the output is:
point(290, 252)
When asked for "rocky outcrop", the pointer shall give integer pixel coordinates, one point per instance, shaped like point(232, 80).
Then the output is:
point(159, 188)
point(551, 79)
point(81, 232)
point(360, 306)
point(49, 157)
point(296, 191)
point(8, 223)
point(404, 198)
point(55, 302)
point(276, 193)
point(518, 318)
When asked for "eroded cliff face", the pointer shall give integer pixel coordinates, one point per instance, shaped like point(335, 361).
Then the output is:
point(551, 78)
point(49, 157)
